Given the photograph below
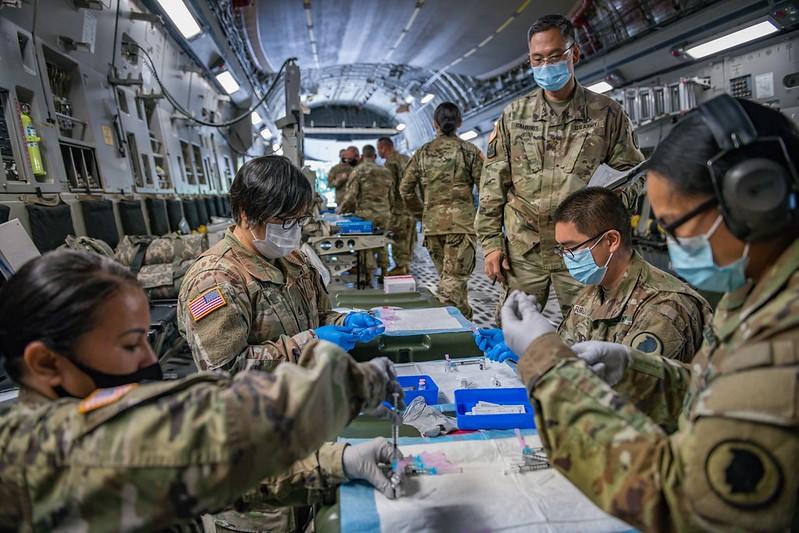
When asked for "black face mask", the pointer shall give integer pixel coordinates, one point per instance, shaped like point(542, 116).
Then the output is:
point(106, 381)
point(351, 162)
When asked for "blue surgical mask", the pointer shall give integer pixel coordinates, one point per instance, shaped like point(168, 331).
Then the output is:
point(583, 268)
point(692, 260)
point(552, 77)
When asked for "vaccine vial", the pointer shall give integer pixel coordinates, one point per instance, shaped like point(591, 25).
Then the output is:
point(422, 384)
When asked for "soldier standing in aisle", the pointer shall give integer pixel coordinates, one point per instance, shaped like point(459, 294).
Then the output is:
point(545, 146)
point(403, 223)
point(339, 175)
point(369, 195)
point(447, 169)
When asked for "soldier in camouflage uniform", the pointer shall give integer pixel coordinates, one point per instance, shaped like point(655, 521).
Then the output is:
point(403, 223)
point(369, 196)
point(633, 303)
point(448, 169)
point(143, 457)
point(239, 308)
point(733, 462)
point(545, 146)
point(339, 175)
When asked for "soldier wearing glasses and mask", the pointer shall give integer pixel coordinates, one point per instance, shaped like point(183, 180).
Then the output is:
point(545, 146)
point(723, 186)
point(254, 301)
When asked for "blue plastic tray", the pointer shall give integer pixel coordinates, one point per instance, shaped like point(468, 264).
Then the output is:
point(359, 226)
point(465, 399)
point(409, 386)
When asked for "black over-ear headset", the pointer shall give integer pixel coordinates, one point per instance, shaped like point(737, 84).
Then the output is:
point(755, 181)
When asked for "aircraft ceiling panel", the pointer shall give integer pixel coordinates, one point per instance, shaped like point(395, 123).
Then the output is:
point(473, 37)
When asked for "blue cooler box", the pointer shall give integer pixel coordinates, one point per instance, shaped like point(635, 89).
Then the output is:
point(410, 388)
point(465, 399)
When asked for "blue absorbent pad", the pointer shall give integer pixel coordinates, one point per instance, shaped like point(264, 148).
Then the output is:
point(410, 388)
point(465, 399)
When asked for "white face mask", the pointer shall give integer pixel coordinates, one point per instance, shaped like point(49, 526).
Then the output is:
point(278, 242)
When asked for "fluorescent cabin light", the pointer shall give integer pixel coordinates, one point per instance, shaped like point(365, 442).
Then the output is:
point(228, 82)
point(276, 147)
point(256, 118)
point(600, 87)
point(468, 135)
point(409, 99)
point(181, 17)
point(401, 126)
point(731, 40)
point(428, 97)
point(266, 134)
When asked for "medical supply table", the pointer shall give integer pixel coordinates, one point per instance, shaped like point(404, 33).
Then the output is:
point(482, 495)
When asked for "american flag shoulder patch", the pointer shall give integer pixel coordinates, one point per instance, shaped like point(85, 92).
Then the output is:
point(102, 397)
point(206, 303)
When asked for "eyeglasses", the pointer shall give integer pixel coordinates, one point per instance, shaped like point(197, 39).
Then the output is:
point(299, 221)
point(569, 252)
point(537, 61)
point(671, 228)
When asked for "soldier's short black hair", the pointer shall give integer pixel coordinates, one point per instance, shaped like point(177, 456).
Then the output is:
point(353, 147)
point(385, 140)
point(269, 187)
point(547, 22)
point(683, 155)
point(369, 151)
point(448, 117)
point(595, 210)
point(55, 299)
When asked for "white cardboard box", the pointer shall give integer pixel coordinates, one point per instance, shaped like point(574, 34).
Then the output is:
point(394, 284)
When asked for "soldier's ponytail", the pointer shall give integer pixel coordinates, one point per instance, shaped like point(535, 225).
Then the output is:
point(448, 118)
point(54, 299)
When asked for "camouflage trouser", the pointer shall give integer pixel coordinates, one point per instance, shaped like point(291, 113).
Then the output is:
point(341, 192)
point(453, 256)
point(404, 230)
point(528, 274)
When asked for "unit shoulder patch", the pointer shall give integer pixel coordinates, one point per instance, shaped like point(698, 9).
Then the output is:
point(744, 474)
point(102, 397)
point(206, 303)
point(648, 342)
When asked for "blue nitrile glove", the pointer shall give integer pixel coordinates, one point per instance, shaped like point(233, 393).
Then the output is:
point(339, 335)
point(358, 319)
point(487, 338)
point(501, 353)
point(364, 326)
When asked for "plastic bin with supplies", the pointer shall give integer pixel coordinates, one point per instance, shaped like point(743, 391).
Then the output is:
point(411, 389)
point(465, 399)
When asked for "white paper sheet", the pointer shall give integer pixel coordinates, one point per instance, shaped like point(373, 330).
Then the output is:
point(434, 318)
point(484, 498)
point(604, 175)
point(449, 381)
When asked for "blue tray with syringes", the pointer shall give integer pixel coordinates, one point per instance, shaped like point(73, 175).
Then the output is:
point(467, 399)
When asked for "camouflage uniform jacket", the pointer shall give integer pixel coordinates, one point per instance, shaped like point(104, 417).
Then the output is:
point(396, 163)
point(733, 462)
point(447, 168)
point(650, 310)
point(270, 307)
point(369, 194)
point(337, 178)
point(142, 458)
point(535, 158)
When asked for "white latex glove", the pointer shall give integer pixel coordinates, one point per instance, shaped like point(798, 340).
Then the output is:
point(522, 322)
point(386, 367)
point(608, 360)
point(361, 462)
